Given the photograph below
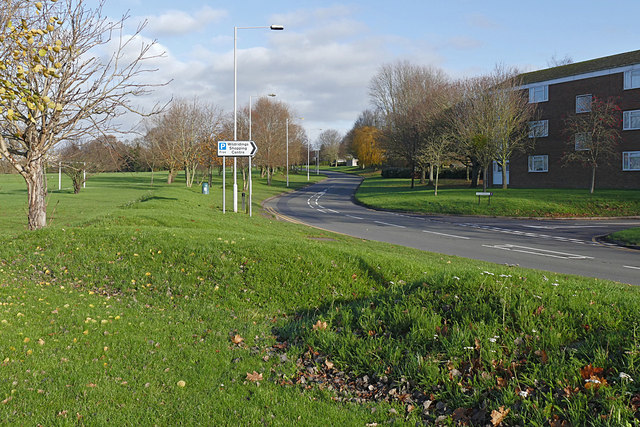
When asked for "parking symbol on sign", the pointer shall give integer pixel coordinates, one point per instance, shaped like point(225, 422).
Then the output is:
point(222, 146)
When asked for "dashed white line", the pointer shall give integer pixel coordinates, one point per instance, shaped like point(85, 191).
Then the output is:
point(632, 267)
point(447, 235)
point(331, 210)
point(354, 217)
point(392, 225)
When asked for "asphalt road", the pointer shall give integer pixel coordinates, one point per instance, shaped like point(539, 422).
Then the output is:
point(561, 246)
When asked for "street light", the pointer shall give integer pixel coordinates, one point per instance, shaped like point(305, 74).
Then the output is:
point(287, 121)
point(235, 107)
point(250, 182)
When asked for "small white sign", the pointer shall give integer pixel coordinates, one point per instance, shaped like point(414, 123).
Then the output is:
point(237, 148)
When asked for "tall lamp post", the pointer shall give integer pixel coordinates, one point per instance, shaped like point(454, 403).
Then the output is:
point(250, 182)
point(235, 103)
point(287, 122)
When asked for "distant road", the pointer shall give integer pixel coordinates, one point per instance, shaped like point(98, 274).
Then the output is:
point(562, 246)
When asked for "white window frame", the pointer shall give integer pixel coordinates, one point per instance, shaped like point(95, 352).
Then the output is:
point(628, 119)
point(581, 139)
point(541, 157)
point(538, 128)
point(632, 79)
point(583, 103)
point(538, 94)
point(626, 160)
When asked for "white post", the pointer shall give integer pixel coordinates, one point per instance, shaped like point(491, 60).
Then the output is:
point(287, 121)
point(84, 175)
point(224, 184)
point(59, 176)
point(235, 115)
point(317, 162)
point(250, 183)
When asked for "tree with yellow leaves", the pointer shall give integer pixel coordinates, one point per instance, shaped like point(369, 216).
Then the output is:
point(54, 85)
point(366, 146)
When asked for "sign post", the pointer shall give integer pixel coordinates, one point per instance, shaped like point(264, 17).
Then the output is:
point(236, 149)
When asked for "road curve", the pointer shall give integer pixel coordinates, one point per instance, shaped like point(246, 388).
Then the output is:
point(561, 246)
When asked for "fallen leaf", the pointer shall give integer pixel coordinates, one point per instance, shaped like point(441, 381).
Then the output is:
point(501, 382)
point(498, 415)
point(328, 364)
point(237, 339)
point(539, 310)
point(254, 376)
point(320, 325)
point(543, 355)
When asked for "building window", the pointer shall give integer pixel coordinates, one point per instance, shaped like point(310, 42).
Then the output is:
point(583, 103)
point(539, 163)
point(539, 94)
point(583, 141)
point(538, 128)
point(632, 79)
point(631, 161)
point(631, 120)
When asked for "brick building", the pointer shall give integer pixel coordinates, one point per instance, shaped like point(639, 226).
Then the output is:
point(568, 89)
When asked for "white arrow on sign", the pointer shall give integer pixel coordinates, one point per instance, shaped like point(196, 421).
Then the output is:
point(237, 148)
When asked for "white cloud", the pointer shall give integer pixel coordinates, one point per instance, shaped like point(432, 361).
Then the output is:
point(178, 22)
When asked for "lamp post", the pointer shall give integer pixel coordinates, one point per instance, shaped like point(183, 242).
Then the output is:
point(287, 122)
point(235, 105)
point(250, 182)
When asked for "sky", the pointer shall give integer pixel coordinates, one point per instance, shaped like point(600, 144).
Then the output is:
point(323, 61)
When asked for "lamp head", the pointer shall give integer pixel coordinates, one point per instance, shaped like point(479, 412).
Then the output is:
point(277, 27)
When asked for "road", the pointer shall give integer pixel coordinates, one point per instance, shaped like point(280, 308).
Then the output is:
point(561, 246)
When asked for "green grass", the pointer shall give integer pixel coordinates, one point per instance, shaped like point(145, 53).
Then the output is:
point(457, 199)
point(104, 314)
point(629, 237)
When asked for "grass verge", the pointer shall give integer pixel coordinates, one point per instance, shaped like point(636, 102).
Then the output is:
point(630, 237)
point(167, 311)
point(454, 197)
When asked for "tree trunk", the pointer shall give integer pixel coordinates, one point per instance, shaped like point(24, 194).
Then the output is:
point(269, 174)
point(430, 174)
point(37, 193)
point(475, 174)
point(485, 172)
point(423, 176)
point(413, 175)
point(210, 176)
point(593, 179)
point(436, 181)
point(504, 175)
point(171, 176)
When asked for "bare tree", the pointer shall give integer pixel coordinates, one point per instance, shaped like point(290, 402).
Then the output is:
point(80, 161)
point(405, 94)
point(269, 133)
point(493, 119)
point(330, 141)
point(57, 87)
point(593, 135)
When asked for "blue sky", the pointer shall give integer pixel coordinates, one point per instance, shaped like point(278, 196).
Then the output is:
point(321, 64)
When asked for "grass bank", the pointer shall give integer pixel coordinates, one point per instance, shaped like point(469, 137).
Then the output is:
point(454, 197)
point(163, 310)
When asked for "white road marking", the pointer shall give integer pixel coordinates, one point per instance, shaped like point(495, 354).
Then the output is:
point(447, 235)
point(354, 217)
point(536, 251)
point(331, 210)
point(631, 266)
point(392, 225)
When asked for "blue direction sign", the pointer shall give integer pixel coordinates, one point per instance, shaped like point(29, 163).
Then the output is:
point(237, 148)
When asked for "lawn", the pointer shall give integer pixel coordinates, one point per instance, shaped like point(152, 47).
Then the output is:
point(456, 198)
point(157, 308)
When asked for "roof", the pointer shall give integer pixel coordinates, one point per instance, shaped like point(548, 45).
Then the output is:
point(598, 64)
